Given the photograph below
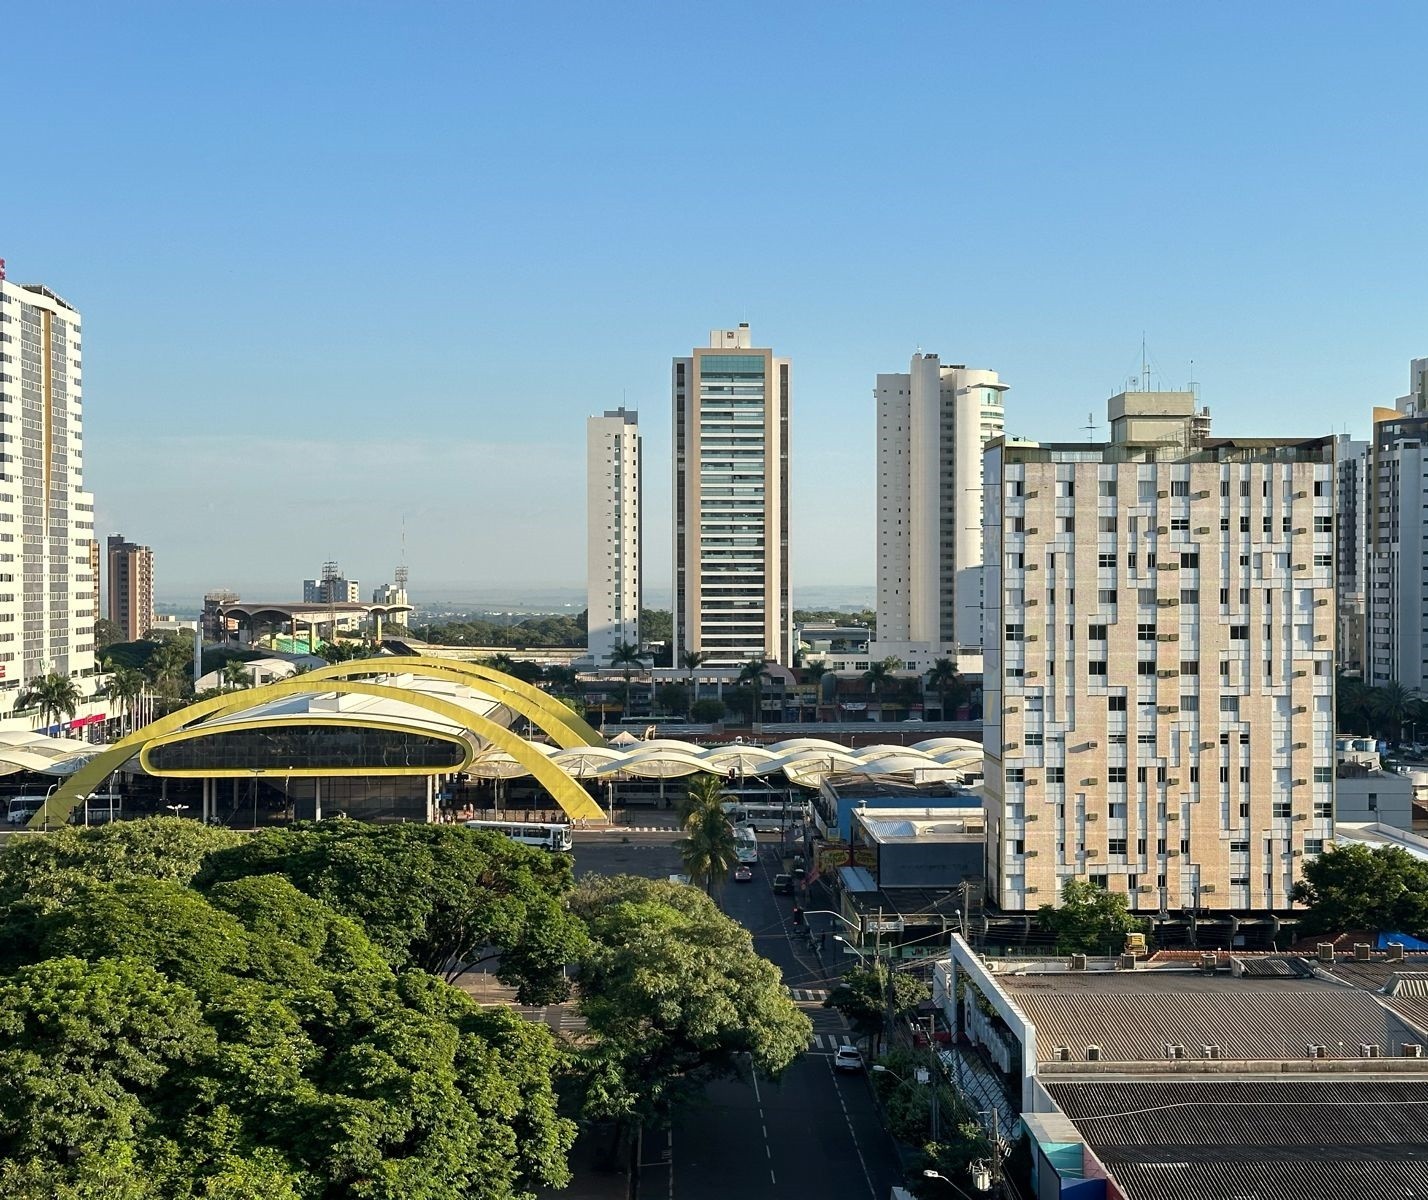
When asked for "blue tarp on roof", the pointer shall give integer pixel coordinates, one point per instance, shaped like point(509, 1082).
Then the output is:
point(1403, 939)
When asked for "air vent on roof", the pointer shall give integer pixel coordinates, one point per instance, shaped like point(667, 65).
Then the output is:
point(1411, 1050)
point(1394, 951)
point(1326, 952)
point(1210, 1051)
point(1078, 962)
point(1063, 1053)
point(1369, 1050)
point(1093, 1054)
point(1174, 1051)
point(1312, 1051)
point(1362, 952)
point(1209, 960)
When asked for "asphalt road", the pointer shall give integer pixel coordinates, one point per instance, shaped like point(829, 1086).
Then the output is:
point(813, 1132)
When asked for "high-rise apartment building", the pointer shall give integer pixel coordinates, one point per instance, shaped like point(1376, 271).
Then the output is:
point(1396, 524)
point(332, 588)
point(1159, 684)
point(131, 587)
point(933, 424)
point(731, 456)
point(614, 576)
point(48, 594)
point(1351, 559)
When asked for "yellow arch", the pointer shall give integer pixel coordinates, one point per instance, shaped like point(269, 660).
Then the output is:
point(571, 797)
point(565, 726)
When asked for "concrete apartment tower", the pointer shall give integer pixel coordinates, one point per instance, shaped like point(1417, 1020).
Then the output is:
point(731, 455)
point(1159, 686)
point(1351, 560)
point(131, 587)
point(614, 574)
point(1395, 526)
point(48, 592)
point(933, 424)
point(333, 588)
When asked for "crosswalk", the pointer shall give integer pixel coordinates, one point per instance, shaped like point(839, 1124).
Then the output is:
point(826, 1043)
point(809, 995)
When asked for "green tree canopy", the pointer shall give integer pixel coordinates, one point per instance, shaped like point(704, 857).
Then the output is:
point(434, 897)
point(1089, 920)
point(674, 993)
point(864, 993)
point(244, 1040)
point(1352, 887)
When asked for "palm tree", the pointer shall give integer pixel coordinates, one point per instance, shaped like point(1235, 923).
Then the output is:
point(235, 674)
point(1395, 705)
point(813, 673)
point(1353, 702)
point(629, 656)
point(880, 674)
point(170, 666)
point(124, 688)
point(708, 851)
point(944, 679)
point(701, 794)
point(55, 695)
point(753, 673)
point(691, 660)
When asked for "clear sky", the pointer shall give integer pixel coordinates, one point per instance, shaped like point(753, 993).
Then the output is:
point(341, 263)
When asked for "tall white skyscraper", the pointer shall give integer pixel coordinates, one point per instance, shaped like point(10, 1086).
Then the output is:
point(1396, 526)
point(731, 454)
point(933, 423)
point(1351, 559)
point(48, 592)
point(614, 574)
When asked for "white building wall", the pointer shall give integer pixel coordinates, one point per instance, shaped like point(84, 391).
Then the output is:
point(613, 522)
point(48, 595)
point(933, 423)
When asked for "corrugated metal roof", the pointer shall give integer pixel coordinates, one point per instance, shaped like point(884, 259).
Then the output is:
point(1251, 1019)
point(1255, 1139)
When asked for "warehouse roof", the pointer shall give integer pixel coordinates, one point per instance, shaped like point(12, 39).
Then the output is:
point(1269, 1139)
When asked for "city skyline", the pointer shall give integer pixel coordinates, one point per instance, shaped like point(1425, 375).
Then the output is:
point(527, 214)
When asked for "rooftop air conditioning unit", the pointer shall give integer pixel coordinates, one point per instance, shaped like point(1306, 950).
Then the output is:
point(1299, 529)
point(1032, 890)
point(1301, 816)
point(1411, 1050)
point(1321, 637)
point(1012, 708)
point(1202, 494)
point(1325, 952)
point(1207, 745)
point(1172, 816)
point(1362, 952)
point(1202, 530)
point(1162, 494)
point(1299, 708)
point(1033, 530)
point(1030, 817)
point(1166, 674)
point(1167, 708)
point(1033, 602)
point(1062, 1053)
point(1033, 637)
point(1300, 495)
point(1033, 566)
point(1300, 674)
point(1300, 746)
point(1010, 745)
point(1299, 782)
point(1369, 1050)
point(1208, 889)
point(1172, 783)
point(1126, 962)
point(1394, 952)
point(1172, 854)
point(1167, 637)
point(1093, 1054)
point(1210, 1051)
point(1093, 816)
point(1301, 566)
point(1162, 529)
point(1078, 962)
point(1167, 601)
point(1032, 674)
point(1313, 1051)
point(1209, 960)
point(1031, 854)
point(1173, 1051)
point(1321, 602)
point(1089, 782)
point(1033, 494)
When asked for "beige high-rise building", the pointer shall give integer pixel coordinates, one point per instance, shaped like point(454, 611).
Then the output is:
point(131, 587)
point(731, 455)
point(614, 510)
point(1159, 686)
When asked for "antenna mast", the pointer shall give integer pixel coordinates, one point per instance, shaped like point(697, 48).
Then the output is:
point(1090, 427)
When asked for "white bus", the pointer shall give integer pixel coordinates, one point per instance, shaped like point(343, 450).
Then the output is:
point(547, 837)
point(764, 817)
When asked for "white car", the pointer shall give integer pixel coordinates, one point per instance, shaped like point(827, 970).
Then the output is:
point(847, 1058)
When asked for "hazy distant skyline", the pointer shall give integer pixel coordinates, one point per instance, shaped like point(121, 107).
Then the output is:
point(341, 265)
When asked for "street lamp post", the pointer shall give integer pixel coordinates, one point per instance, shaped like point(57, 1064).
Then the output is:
point(924, 1077)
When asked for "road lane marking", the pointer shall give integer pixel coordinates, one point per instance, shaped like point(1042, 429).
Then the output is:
point(852, 1133)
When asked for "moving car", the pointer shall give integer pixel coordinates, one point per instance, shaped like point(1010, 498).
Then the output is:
point(847, 1058)
point(743, 873)
point(783, 885)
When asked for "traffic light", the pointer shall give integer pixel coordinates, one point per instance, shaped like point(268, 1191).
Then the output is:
point(797, 915)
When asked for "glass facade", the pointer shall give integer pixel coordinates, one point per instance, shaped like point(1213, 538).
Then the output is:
point(307, 747)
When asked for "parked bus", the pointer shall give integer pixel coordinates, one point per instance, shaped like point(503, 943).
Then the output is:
point(22, 808)
point(555, 838)
point(764, 817)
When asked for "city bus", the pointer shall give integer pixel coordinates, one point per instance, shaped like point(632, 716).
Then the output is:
point(555, 838)
point(766, 817)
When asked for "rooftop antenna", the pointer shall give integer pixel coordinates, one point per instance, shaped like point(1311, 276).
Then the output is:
point(399, 577)
point(1090, 427)
point(1194, 387)
point(1144, 365)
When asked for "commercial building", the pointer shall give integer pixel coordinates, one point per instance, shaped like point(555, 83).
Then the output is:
point(332, 588)
point(614, 573)
point(394, 594)
point(1159, 674)
point(934, 421)
point(1397, 492)
point(48, 591)
point(731, 509)
point(131, 587)
point(1217, 1075)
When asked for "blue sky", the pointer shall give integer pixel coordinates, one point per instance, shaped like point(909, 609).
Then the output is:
point(341, 263)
